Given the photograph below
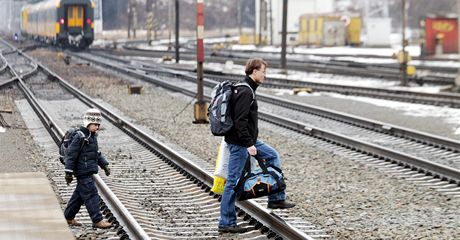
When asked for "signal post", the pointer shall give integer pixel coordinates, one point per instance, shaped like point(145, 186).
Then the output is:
point(200, 106)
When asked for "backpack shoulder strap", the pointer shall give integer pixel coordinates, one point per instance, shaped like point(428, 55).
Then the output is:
point(247, 85)
point(82, 137)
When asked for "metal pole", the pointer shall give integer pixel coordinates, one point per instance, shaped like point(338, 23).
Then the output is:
point(10, 3)
point(130, 16)
point(221, 21)
point(134, 21)
point(177, 31)
point(260, 21)
point(200, 106)
point(255, 23)
point(238, 16)
point(283, 35)
point(271, 22)
point(155, 24)
point(169, 25)
point(149, 21)
point(404, 43)
point(457, 80)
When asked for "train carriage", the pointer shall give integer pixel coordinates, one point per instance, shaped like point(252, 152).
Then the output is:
point(68, 23)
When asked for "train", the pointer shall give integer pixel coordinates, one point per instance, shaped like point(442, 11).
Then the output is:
point(66, 23)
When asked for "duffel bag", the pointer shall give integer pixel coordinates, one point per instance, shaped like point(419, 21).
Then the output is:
point(254, 183)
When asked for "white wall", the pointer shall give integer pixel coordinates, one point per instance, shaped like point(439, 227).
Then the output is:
point(295, 9)
point(378, 32)
point(10, 12)
point(98, 16)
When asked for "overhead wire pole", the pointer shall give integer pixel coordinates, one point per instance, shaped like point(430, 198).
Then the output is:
point(177, 30)
point(283, 35)
point(130, 18)
point(169, 25)
point(238, 16)
point(149, 20)
point(259, 39)
point(200, 106)
point(404, 44)
point(271, 21)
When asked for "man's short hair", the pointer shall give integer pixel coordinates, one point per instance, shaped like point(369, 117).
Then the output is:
point(254, 63)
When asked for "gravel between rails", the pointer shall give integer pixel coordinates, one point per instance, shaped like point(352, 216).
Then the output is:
point(348, 199)
point(18, 150)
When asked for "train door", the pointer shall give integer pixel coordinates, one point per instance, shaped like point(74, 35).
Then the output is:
point(75, 16)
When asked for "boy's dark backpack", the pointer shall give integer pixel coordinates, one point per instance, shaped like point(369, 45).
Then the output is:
point(67, 139)
point(219, 109)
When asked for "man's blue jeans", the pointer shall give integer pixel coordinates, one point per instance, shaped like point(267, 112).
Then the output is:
point(85, 193)
point(238, 156)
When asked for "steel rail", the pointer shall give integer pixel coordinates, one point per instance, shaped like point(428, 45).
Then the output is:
point(56, 133)
point(390, 129)
point(444, 172)
point(262, 215)
point(3, 68)
point(307, 65)
point(437, 99)
point(333, 61)
point(437, 170)
point(440, 99)
point(127, 220)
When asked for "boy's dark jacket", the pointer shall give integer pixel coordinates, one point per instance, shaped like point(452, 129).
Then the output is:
point(244, 115)
point(89, 159)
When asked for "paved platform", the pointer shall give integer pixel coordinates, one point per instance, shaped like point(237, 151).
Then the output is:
point(29, 208)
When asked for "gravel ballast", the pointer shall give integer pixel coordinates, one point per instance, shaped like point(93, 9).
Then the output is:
point(349, 200)
point(19, 153)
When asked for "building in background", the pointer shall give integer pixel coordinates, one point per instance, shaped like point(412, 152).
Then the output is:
point(269, 16)
point(377, 23)
point(98, 26)
point(10, 12)
point(441, 34)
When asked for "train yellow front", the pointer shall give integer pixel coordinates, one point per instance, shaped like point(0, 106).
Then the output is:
point(67, 23)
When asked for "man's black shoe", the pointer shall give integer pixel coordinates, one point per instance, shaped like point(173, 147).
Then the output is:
point(233, 229)
point(283, 204)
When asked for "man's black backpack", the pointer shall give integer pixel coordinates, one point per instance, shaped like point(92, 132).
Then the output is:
point(67, 139)
point(219, 109)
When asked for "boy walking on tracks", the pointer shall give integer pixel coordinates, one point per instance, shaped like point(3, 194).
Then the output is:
point(82, 161)
point(242, 140)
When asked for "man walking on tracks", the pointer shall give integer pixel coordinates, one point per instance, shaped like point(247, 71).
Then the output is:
point(82, 161)
point(242, 140)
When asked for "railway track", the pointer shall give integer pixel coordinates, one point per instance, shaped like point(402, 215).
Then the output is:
point(428, 65)
point(436, 99)
point(422, 153)
point(306, 64)
point(165, 192)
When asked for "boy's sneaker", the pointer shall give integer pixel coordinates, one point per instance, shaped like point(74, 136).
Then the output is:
point(282, 204)
point(73, 222)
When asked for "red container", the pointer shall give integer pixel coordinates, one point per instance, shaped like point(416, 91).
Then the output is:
point(441, 31)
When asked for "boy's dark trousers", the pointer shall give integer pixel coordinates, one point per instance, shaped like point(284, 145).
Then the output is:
point(85, 193)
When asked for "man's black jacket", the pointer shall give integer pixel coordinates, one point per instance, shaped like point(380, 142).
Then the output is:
point(244, 115)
